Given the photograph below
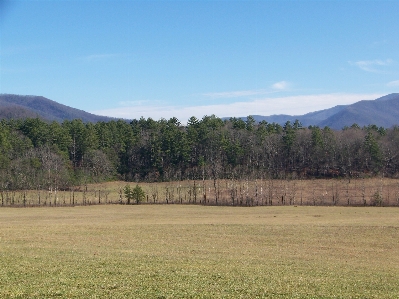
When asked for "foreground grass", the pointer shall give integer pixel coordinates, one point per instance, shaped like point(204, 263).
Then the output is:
point(172, 251)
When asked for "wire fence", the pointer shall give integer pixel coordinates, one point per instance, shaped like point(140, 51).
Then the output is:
point(333, 192)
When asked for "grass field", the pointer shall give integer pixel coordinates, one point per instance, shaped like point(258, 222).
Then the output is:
point(320, 192)
point(185, 251)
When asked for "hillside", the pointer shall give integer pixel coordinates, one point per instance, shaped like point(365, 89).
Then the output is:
point(383, 112)
point(19, 106)
point(312, 118)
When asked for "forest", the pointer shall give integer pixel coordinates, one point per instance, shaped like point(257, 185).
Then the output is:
point(35, 154)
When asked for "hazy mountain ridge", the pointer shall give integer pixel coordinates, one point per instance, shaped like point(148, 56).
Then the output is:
point(23, 106)
point(383, 112)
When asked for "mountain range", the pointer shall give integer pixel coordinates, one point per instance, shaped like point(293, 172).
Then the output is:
point(383, 112)
point(20, 106)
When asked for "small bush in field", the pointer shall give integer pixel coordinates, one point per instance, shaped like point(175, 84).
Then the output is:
point(137, 194)
point(377, 199)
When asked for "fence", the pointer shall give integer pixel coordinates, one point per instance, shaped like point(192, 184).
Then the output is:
point(340, 192)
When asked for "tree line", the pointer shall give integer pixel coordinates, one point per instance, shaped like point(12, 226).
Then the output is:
point(35, 154)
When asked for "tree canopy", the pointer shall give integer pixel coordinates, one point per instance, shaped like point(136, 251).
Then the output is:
point(39, 154)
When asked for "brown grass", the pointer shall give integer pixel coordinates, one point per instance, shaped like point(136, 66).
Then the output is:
point(333, 192)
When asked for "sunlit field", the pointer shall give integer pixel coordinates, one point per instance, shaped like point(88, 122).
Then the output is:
point(194, 251)
point(261, 192)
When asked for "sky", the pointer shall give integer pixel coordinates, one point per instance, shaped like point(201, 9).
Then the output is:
point(164, 59)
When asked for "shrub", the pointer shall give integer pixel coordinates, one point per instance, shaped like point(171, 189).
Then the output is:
point(136, 194)
point(376, 199)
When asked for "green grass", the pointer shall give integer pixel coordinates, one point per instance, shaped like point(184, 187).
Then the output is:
point(182, 251)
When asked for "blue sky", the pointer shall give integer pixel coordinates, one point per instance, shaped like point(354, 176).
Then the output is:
point(194, 58)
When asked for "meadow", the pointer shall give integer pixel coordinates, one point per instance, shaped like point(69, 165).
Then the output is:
point(261, 192)
point(195, 251)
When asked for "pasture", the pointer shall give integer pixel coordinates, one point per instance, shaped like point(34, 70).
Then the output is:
point(260, 192)
point(194, 251)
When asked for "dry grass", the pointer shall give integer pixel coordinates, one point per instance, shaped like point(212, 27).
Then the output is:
point(333, 192)
point(184, 251)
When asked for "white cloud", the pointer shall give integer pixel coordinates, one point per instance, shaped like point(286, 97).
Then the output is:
point(371, 65)
point(282, 85)
point(380, 43)
point(132, 103)
point(293, 105)
point(236, 94)
point(393, 83)
point(276, 87)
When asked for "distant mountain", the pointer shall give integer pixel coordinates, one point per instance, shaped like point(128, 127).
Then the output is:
point(383, 112)
point(19, 106)
point(308, 119)
point(318, 116)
